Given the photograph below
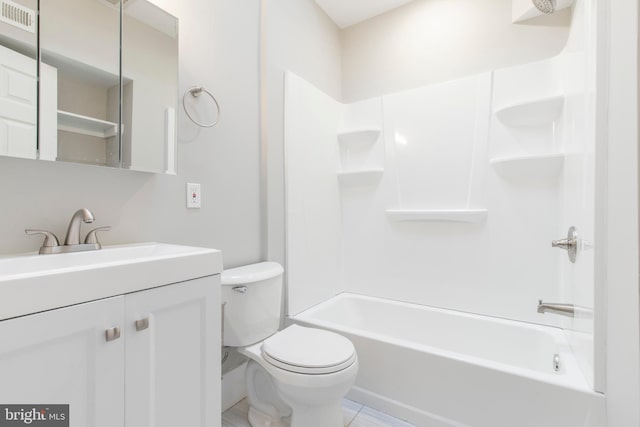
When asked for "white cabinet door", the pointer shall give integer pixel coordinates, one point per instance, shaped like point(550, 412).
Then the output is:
point(18, 104)
point(173, 363)
point(62, 357)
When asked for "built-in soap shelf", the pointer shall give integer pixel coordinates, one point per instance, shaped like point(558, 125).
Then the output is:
point(358, 138)
point(356, 146)
point(85, 125)
point(360, 178)
point(543, 166)
point(535, 112)
point(438, 215)
point(525, 10)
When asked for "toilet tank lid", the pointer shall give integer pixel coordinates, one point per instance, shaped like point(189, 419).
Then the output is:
point(251, 273)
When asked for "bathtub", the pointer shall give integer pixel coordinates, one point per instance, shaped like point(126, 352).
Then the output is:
point(437, 368)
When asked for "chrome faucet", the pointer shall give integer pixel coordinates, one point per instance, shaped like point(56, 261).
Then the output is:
point(562, 309)
point(72, 243)
point(73, 232)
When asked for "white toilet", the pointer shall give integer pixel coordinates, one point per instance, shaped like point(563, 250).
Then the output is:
point(295, 377)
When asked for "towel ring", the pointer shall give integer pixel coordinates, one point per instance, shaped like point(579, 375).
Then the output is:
point(196, 91)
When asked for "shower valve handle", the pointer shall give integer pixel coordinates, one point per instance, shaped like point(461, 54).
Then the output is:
point(570, 244)
point(563, 244)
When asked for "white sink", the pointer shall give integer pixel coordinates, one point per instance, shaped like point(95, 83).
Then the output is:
point(32, 283)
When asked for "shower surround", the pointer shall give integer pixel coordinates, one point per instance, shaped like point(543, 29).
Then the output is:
point(426, 190)
point(449, 195)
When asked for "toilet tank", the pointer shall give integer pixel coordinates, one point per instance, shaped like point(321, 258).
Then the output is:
point(252, 295)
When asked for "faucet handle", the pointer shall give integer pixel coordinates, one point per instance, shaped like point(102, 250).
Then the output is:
point(50, 239)
point(92, 236)
point(570, 244)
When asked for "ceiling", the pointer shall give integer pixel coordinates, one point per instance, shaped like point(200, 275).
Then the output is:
point(348, 12)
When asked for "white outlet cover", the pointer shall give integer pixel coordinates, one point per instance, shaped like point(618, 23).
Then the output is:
point(193, 196)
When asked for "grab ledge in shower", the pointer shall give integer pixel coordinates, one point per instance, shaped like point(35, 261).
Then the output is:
point(438, 215)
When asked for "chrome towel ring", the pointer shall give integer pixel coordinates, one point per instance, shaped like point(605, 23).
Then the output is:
point(196, 91)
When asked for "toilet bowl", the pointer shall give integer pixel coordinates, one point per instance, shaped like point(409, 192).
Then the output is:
point(296, 377)
point(301, 373)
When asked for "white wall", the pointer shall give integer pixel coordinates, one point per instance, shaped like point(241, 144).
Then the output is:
point(297, 36)
point(218, 49)
point(617, 179)
point(429, 41)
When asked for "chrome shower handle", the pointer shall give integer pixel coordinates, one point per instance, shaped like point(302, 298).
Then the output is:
point(565, 244)
point(570, 244)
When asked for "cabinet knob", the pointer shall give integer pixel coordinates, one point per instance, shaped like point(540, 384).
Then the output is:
point(142, 324)
point(112, 334)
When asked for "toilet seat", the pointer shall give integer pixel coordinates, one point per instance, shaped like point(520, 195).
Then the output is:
point(308, 351)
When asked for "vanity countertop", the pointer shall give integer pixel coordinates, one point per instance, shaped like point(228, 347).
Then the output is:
point(31, 283)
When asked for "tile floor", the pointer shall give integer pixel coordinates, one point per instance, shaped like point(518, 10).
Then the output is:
point(355, 415)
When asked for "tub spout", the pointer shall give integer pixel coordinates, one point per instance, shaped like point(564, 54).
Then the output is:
point(562, 309)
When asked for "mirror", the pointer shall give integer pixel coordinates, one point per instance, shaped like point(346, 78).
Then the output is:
point(150, 87)
point(80, 82)
point(103, 100)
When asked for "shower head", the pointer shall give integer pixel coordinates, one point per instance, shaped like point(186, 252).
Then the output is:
point(545, 6)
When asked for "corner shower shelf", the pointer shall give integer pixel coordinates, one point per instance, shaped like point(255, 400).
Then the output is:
point(531, 12)
point(532, 113)
point(438, 215)
point(359, 178)
point(85, 125)
point(359, 138)
point(538, 166)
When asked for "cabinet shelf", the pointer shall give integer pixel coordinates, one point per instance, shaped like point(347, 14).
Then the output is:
point(77, 123)
point(532, 113)
point(537, 166)
point(438, 215)
point(358, 137)
point(359, 178)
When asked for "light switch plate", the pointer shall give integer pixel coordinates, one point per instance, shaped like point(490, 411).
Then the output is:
point(193, 195)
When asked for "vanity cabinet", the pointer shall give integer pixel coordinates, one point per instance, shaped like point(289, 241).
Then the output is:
point(173, 363)
point(160, 371)
point(61, 357)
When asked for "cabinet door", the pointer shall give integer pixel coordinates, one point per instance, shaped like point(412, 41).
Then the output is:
point(173, 355)
point(62, 357)
point(18, 104)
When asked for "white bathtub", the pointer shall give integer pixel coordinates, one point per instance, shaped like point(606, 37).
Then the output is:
point(435, 367)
